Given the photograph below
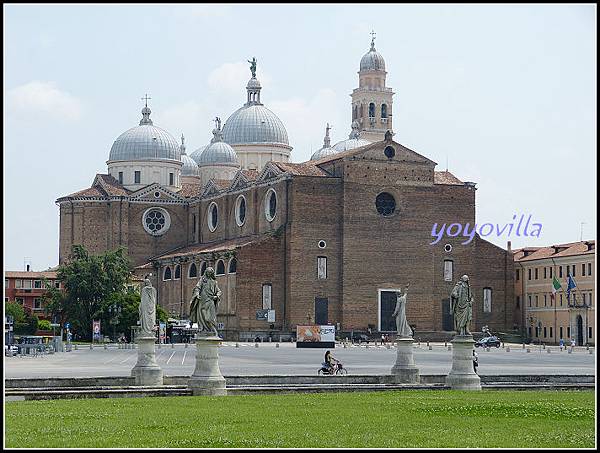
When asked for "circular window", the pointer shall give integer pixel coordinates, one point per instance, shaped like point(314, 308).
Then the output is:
point(240, 210)
point(271, 205)
point(385, 204)
point(157, 194)
point(389, 152)
point(448, 248)
point(156, 221)
point(213, 216)
point(322, 244)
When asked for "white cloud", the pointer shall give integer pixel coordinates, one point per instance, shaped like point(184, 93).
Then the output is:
point(209, 10)
point(305, 121)
point(45, 99)
point(231, 78)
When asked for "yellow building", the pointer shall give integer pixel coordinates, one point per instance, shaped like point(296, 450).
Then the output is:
point(545, 317)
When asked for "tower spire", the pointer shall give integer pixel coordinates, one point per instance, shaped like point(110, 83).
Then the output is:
point(373, 39)
point(182, 147)
point(146, 112)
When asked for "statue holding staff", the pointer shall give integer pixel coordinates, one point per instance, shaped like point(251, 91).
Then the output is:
point(461, 306)
point(205, 302)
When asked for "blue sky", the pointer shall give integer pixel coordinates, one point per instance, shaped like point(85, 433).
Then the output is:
point(505, 93)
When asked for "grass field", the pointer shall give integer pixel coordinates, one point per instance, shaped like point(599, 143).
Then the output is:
point(362, 419)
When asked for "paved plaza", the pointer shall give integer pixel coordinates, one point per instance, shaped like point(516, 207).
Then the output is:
point(267, 359)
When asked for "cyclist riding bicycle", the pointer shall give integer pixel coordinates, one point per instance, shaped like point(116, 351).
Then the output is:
point(330, 361)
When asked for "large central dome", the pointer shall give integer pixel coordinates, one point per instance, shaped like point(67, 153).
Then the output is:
point(253, 122)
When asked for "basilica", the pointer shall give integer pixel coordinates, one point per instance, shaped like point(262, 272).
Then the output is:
point(327, 241)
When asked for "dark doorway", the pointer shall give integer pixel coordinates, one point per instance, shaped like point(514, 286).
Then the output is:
point(579, 331)
point(321, 311)
point(388, 303)
point(447, 324)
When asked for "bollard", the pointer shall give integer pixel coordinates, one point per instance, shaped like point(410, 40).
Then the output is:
point(544, 346)
point(503, 345)
point(445, 344)
point(159, 346)
point(508, 349)
point(548, 350)
point(428, 344)
point(276, 345)
point(528, 350)
point(587, 347)
point(76, 346)
point(237, 345)
point(429, 347)
point(591, 351)
point(91, 346)
point(172, 345)
point(523, 345)
point(487, 349)
point(345, 345)
point(105, 347)
point(570, 350)
point(186, 345)
point(256, 345)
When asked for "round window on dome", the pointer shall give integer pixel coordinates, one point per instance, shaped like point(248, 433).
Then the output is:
point(270, 205)
point(389, 152)
point(213, 216)
point(240, 210)
point(156, 221)
point(385, 204)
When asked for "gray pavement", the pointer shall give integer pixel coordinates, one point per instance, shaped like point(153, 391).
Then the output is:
point(287, 359)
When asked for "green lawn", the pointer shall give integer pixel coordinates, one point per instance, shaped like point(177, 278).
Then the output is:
point(363, 419)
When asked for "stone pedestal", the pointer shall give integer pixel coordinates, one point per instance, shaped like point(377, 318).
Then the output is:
point(146, 371)
point(404, 369)
point(207, 378)
point(462, 376)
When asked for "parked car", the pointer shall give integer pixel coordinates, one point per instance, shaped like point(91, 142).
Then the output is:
point(10, 350)
point(488, 342)
point(360, 338)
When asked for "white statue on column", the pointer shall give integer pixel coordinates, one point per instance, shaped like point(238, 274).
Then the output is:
point(404, 330)
point(147, 308)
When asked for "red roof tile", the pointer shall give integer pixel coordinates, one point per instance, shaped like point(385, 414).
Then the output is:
point(24, 274)
point(89, 192)
point(190, 190)
point(250, 175)
point(301, 169)
point(445, 177)
point(112, 186)
point(555, 251)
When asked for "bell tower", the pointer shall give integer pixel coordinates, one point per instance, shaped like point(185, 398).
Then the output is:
point(372, 100)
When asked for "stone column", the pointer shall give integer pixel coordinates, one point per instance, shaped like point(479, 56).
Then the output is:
point(146, 371)
point(405, 369)
point(207, 378)
point(462, 376)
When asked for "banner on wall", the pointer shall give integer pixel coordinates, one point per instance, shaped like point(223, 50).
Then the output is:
point(315, 336)
point(96, 330)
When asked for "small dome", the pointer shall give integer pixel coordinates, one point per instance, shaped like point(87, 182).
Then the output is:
point(253, 83)
point(372, 60)
point(326, 150)
point(196, 154)
point(353, 141)
point(145, 142)
point(254, 123)
point(218, 152)
point(350, 143)
point(190, 167)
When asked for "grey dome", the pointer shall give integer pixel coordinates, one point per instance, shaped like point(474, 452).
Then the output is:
point(323, 152)
point(353, 141)
point(350, 143)
point(190, 167)
point(196, 154)
point(218, 152)
point(372, 60)
point(254, 123)
point(145, 142)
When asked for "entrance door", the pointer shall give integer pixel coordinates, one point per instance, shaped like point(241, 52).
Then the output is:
point(579, 331)
point(387, 323)
point(321, 311)
point(447, 324)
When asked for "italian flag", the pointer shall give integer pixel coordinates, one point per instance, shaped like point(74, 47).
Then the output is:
point(555, 286)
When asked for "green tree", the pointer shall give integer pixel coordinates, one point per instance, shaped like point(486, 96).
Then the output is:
point(44, 324)
point(90, 282)
point(16, 311)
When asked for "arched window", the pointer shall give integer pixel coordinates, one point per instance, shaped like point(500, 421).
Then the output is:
point(371, 110)
point(233, 266)
point(177, 272)
point(354, 112)
point(270, 204)
point(213, 216)
point(385, 204)
point(383, 110)
point(220, 268)
point(193, 272)
point(240, 210)
point(203, 268)
point(167, 274)
point(361, 110)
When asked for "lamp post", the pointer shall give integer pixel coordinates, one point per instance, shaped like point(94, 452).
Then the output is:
point(114, 311)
